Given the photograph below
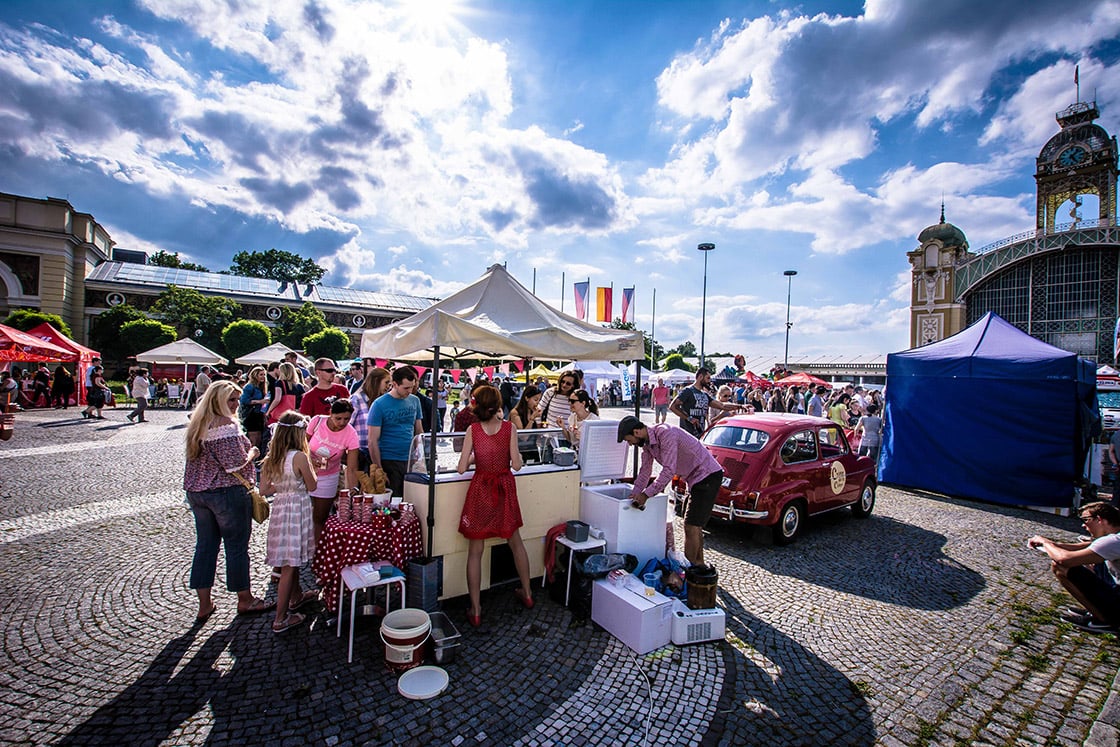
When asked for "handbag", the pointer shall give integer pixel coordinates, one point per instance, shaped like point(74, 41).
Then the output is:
point(260, 505)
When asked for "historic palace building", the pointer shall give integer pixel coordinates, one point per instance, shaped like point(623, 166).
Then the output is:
point(1057, 282)
point(59, 261)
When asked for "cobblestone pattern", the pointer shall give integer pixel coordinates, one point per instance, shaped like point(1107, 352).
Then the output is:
point(929, 623)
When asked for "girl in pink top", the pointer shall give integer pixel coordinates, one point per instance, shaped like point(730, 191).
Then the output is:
point(331, 439)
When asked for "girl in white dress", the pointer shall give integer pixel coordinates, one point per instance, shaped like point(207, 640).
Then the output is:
point(287, 473)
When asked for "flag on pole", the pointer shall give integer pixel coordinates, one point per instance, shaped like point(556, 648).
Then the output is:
point(627, 302)
point(582, 289)
point(1077, 75)
point(603, 296)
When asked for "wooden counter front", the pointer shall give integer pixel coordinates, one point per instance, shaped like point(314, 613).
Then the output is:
point(548, 495)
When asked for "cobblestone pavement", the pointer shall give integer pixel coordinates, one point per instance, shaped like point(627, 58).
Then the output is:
point(929, 623)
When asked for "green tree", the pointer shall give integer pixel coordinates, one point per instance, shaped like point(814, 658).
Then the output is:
point(144, 334)
point(331, 343)
point(245, 336)
point(25, 319)
point(296, 324)
point(189, 312)
point(676, 360)
point(105, 331)
point(276, 264)
point(165, 259)
point(686, 349)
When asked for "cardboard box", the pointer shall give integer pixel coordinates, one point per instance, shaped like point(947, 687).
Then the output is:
point(642, 622)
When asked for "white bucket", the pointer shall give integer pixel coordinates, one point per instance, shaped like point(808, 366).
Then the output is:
point(404, 633)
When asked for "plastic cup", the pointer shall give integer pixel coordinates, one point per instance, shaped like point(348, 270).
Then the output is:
point(650, 580)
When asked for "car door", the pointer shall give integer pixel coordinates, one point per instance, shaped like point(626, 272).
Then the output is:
point(838, 485)
point(799, 460)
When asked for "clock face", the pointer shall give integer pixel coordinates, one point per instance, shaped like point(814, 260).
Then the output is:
point(1073, 156)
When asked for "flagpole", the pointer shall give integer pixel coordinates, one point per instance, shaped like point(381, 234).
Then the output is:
point(563, 290)
point(587, 305)
point(652, 329)
point(534, 281)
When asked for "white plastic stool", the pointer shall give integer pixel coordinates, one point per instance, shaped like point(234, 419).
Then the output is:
point(591, 543)
point(356, 578)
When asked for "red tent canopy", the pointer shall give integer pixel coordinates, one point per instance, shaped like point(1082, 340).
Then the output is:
point(16, 347)
point(84, 360)
point(757, 381)
point(802, 379)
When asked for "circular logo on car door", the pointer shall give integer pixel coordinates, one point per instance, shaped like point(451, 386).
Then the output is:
point(837, 477)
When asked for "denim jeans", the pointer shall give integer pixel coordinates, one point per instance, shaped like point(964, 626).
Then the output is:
point(221, 515)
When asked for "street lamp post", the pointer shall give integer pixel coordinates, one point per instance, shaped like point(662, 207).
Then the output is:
point(789, 294)
point(705, 248)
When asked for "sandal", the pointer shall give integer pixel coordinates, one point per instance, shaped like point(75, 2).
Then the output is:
point(274, 578)
point(305, 599)
point(258, 606)
point(206, 615)
point(291, 621)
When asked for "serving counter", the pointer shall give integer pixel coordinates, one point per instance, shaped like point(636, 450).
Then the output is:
point(548, 495)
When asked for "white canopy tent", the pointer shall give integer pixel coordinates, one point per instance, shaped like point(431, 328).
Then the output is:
point(675, 376)
point(496, 316)
point(493, 317)
point(595, 374)
point(274, 352)
point(185, 351)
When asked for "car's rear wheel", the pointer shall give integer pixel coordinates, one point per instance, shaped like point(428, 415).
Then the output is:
point(862, 508)
point(789, 523)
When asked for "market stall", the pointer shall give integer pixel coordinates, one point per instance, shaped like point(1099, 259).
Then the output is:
point(85, 356)
point(494, 316)
point(185, 352)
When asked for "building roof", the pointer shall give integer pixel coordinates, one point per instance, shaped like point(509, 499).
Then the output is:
point(254, 289)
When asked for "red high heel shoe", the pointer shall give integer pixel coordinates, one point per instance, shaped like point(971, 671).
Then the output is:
point(525, 599)
point(474, 620)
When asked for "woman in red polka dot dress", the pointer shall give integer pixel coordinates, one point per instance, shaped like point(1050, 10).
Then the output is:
point(491, 508)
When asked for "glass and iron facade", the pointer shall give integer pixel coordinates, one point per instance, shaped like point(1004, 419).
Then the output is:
point(1067, 298)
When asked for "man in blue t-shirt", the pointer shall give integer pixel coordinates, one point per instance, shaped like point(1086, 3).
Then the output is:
point(394, 418)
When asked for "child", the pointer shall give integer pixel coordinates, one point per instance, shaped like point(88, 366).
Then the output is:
point(491, 508)
point(287, 474)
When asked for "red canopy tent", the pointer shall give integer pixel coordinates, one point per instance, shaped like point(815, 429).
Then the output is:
point(757, 381)
point(802, 379)
point(21, 347)
point(85, 355)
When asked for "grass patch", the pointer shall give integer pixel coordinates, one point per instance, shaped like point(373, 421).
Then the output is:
point(863, 688)
point(926, 732)
point(1037, 662)
point(1023, 634)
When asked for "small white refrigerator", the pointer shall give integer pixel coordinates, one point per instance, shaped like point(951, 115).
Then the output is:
point(605, 504)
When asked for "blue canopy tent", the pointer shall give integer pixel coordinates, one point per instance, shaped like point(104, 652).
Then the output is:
point(990, 413)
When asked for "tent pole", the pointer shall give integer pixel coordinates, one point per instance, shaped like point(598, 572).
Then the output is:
point(433, 431)
point(637, 394)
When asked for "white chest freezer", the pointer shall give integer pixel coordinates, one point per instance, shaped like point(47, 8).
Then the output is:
point(606, 505)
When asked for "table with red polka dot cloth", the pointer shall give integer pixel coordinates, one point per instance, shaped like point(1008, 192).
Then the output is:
point(345, 543)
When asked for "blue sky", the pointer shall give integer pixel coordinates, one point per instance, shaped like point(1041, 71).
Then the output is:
point(407, 146)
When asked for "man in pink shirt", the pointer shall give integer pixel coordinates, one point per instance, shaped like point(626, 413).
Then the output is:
point(678, 453)
point(660, 399)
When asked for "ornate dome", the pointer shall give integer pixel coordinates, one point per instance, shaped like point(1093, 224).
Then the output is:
point(946, 233)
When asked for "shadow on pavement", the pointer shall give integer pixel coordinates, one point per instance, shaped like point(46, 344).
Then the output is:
point(877, 558)
point(792, 698)
point(164, 697)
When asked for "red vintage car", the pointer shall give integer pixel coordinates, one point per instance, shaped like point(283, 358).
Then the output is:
point(780, 469)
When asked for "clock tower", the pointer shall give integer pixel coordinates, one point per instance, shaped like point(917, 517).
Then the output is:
point(1079, 160)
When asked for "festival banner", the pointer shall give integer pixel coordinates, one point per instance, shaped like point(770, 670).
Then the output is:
point(455, 374)
point(627, 302)
point(520, 366)
point(504, 368)
point(420, 371)
point(603, 297)
point(582, 289)
point(1116, 344)
point(489, 371)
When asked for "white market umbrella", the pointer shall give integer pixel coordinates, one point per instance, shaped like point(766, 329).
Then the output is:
point(185, 351)
point(274, 352)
